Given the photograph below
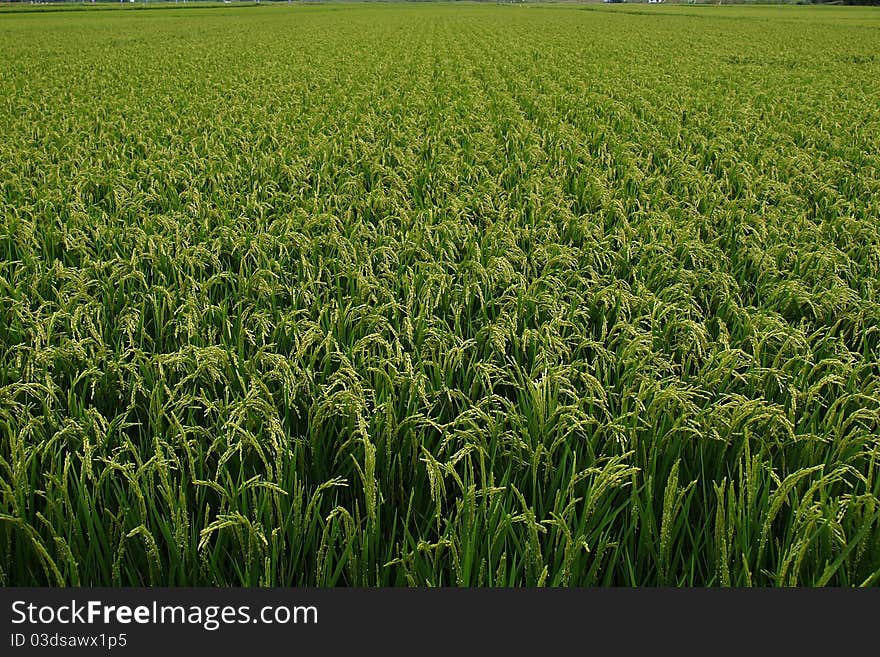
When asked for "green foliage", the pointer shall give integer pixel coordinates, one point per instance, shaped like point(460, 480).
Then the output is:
point(449, 295)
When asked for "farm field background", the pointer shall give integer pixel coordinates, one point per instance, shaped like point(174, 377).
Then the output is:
point(440, 295)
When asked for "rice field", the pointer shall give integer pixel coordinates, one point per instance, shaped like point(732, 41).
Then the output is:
point(441, 295)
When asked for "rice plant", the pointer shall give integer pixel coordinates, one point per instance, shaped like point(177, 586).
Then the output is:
point(440, 296)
